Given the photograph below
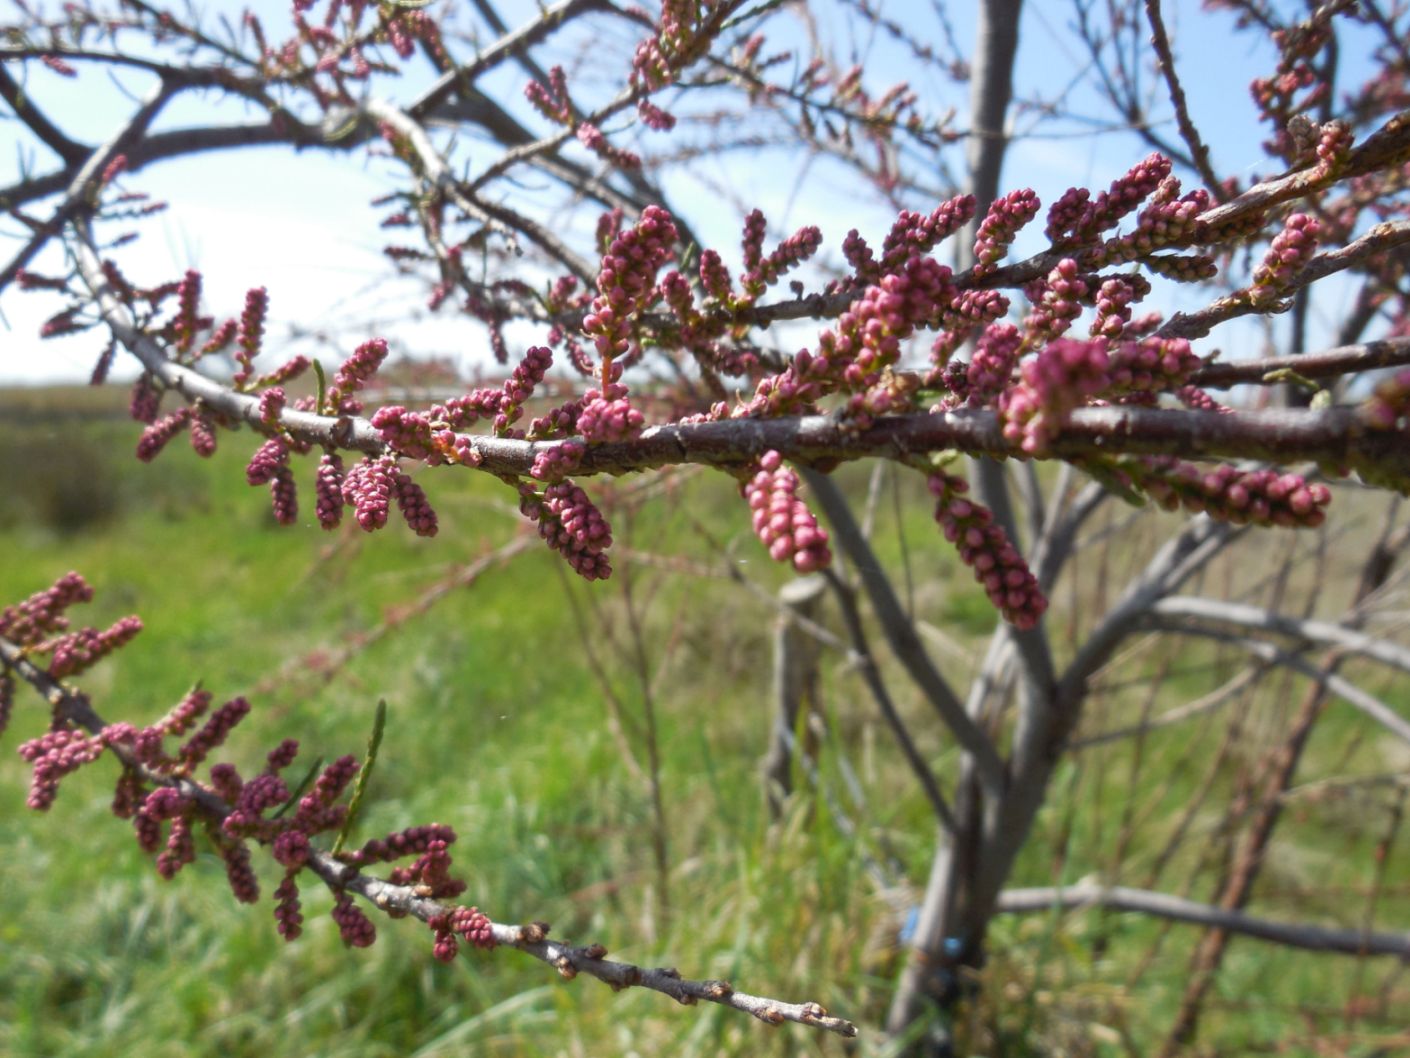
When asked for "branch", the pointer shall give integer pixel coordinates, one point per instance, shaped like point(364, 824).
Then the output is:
point(860, 655)
point(1380, 238)
point(72, 153)
point(1333, 436)
point(1199, 152)
point(76, 201)
point(1329, 363)
point(1163, 905)
point(569, 960)
point(1180, 612)
point(1343, 688)
point(900, 630)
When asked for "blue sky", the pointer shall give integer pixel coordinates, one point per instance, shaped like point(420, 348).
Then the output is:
point(300, 224)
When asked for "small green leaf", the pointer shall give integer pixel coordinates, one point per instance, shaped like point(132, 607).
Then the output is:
point(374, 742)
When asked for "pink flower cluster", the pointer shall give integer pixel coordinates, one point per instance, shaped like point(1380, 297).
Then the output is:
point(1007, 216)
point(911, 235)
point(1289, 253)
point(1258, 497)
point(595, 140)
point(1151, 364)
point(627, 280)
point(328, 490)
point(781, 520)
point(158, 790)
point(1073, 218)
point(73, 652)
point(551, 100)
point(1061, 377)
point(40, 626)
point(556, 462)
point(986, 549)
point(270, 465)
point(1166, 221)
point(54, 755)
point(250, 336)
point(369, 488)
point(572, 525)
point(354, 373)
point(1057, 301)
point(470, 922)
point(608, 417)
point(763, 272)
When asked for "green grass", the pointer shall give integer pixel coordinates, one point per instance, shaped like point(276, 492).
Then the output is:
point(499, 727)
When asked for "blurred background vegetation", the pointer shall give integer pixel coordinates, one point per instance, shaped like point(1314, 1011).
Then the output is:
point(521, 706)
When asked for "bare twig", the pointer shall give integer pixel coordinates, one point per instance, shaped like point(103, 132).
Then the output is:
point(1162, 905)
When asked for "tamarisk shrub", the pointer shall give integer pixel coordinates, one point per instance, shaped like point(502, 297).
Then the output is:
point(630, 342)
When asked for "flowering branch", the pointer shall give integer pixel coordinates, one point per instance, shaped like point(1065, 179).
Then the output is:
point(72, 708)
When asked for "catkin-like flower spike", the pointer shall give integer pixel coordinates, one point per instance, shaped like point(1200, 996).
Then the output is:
point(414, 507)
point(250, 336)
point(328, 491)
point(551, 100)
point(180, 849)
point(986, 548)
point(145, 399)
point(285, 372)
point(1150, 365)
point(1006, 217)
point(288, 917)
point(790, 253)
point(367, 489)
point(54, 755)
point(781, 520)
point(156, 436)
point(1258, 497)
point(626, 282)
point(355, 927)
point(990, 370)
point(1061, 377)
point(239, 873)
point(1292, 248)
point(188, 319)
point(220, 338)
point(610, 417)
point(271, 405)
point(1125, 194)
point(1057, 301)
point(43, 612)
point(915, 234)
point(77, 651)
point(354, 373)
point(203, 439)
point(1166, 221)
point(714, 276)
point(268, 459)
point(213, 732)
point(595, 140)
point(472, 924)
point(572, 525)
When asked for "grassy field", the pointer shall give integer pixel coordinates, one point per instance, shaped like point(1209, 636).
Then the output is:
point(520, 705)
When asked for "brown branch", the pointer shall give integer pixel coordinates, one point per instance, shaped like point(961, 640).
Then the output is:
point(568, 959)
point(1163, 905)
point(1199, 151)
point(1380, 238)
point(1329, 363)
point(1334, 436)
